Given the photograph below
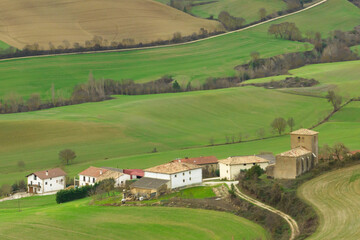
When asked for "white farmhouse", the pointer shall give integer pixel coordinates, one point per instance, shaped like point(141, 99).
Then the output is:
point(231, 166)
point(94, 174)
point(46, 181)
point(179, 174)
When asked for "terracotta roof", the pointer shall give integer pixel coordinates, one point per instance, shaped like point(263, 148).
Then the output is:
point(51, 173)
point(354, 152)
point(172, 167)
point(93, 172)
point(304, 131)
point(295, 152)
point(149, 183)
point(137, 172)
point(199, 160)
point(243, 160)
point(109, 174)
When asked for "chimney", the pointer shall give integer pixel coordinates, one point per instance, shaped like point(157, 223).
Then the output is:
point(47, 173)
point(100, 172)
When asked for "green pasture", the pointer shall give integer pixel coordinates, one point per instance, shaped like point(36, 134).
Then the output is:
point(194, 62)
point(356, 49)
point(238, 8)
point(133, 125)
point(78, 220)
point(342, 77)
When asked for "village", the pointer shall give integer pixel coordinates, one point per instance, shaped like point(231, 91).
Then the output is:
point(187, 172)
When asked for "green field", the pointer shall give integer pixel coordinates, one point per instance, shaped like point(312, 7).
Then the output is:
point(133, 125)
point(194, 62)
point(335, 197)
point(342, 76)
point(78, 220)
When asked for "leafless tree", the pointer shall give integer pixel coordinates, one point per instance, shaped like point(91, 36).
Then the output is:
point(279, 125)
point(67, 156)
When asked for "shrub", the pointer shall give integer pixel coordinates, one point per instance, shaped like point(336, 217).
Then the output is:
point(73, 194)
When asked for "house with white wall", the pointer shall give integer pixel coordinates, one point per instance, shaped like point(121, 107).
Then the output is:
point(93, 175)
point(51, 180)
point(231, 167)
point(179, 174)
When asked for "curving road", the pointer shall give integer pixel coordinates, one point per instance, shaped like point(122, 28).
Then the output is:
point(336, 199)
point(175, 44)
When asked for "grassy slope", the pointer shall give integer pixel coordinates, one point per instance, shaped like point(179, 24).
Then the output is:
point(343, 76)
point(198, 61)
point(335, 198)
point(72, 220)
point(79, 21)
point(239, 8)
point(132, 125)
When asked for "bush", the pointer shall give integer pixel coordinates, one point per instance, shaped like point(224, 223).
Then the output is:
point(73, 194)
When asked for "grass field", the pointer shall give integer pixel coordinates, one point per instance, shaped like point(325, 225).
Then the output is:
point(238, 8)
point(342, 76)
point(335, 197)
point(133, 125)
point(72, 220)
point(79, 21)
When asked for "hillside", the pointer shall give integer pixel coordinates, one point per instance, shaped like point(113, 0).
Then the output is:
point(42, 21)
point(42, 218)
point(335, 196)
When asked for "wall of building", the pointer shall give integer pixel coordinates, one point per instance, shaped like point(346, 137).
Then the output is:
point(230, 172)
point(309, 142)
point(285, 167)
point(157, 175)
point(54, 184)
point(186, 178)
point(120, 181)
point(86, 180)
point(34, 180)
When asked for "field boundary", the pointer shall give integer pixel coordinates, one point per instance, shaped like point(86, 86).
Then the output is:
point(170, 45)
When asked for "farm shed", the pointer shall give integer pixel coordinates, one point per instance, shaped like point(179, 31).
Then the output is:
point(149, 187)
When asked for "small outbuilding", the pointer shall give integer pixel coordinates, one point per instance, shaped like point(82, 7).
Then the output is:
point(231, 167)
point(149, 187)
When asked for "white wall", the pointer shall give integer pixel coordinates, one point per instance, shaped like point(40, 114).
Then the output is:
point(86, 180)
point(180, 179)
point(54, 184)
point(33, 180)
point(47, 185)
point(120, 181)
point(230, 172)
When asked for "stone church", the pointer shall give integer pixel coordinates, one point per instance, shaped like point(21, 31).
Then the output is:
point(301, 158)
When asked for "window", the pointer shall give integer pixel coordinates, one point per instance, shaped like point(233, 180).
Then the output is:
point(190, 178)
point(50, 179)
point(30, 182)
point(189, 172)
point(50, 185)
point(35, 177)
point(175, 175)
point(183, 180)
point(253, 164)
point(299, 139)
point(183, 174)
point(84, 178)
point(38, 184)
point(45, 183)
point(93, 180)
point(244, 164)
point(227, 171)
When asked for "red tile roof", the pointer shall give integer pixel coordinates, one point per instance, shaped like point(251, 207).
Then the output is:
point(137, 172)
point(51, 173)
point(93, 172)
point(354, 152)
point(199, 160)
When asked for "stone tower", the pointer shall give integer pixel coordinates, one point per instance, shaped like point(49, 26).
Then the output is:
point(307, 139)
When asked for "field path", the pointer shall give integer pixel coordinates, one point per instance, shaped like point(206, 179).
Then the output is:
point(336, 199)
point(292, 223)
point(175, 44)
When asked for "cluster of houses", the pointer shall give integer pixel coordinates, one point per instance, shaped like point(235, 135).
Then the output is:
point(180, 173)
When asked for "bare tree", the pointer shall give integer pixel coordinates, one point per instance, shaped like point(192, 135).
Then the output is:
point(34, 102)
point(67, 156)
point(279, 125)
point(261, 133)
point(291, 123)
point(340, 151)
point(334, 99)
point(262, 13)
point(13, 101)
point(21, 164)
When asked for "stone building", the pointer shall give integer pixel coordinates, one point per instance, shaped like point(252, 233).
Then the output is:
point(302, 157)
